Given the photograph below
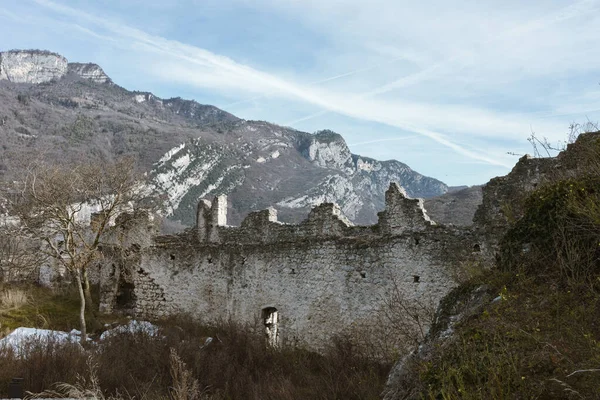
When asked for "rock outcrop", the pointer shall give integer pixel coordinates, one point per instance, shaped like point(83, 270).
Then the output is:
point(31, 66)
point(40, 66)
point(459, 305)
point(328, 149)
point(503, 203)
point(504, 197)
point(89, 71)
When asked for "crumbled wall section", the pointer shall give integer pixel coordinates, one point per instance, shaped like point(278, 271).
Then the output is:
point(322, 275)
point(401, 213)
point(503, 197)
point(150, 299)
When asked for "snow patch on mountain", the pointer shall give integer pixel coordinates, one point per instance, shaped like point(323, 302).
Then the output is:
point(171, 153)
point(177, 177)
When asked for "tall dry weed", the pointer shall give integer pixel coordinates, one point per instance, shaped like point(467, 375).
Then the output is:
point(12, 298)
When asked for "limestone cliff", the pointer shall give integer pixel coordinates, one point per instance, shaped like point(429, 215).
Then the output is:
point(40, 66)
point(89, 71)
point(31, 66)
point(328, 149)
point(293, 171)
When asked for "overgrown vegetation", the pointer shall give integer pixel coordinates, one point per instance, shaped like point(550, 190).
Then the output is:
point(35, 306)
point(180, 363)
point(540, 339)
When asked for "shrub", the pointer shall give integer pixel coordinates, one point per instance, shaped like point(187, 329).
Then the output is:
point(178, 363)
point(540, 338)
point(559, 233)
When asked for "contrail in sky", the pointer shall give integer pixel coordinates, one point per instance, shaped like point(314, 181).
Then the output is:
point(332, 78)
point(385, 140)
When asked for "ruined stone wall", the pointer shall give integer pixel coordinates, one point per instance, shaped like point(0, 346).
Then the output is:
point(504, 197)
point(323, 276)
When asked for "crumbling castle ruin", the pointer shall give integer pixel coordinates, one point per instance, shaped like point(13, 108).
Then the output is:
point(304, 283)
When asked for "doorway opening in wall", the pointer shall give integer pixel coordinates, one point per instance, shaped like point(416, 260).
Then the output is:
point(125, 300)
point(270, 318)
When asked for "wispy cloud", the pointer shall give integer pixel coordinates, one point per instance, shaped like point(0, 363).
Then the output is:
point(11, 15)
point(225, 72)
point(397, 139)
point(462, 73)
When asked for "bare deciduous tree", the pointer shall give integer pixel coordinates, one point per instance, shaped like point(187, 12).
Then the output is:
point(543, 147)
point(72, 210)
point(20, 256)
point(410, 317)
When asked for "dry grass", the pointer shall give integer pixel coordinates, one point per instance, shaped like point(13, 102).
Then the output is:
point(184, 387)
point(84, 387)
point(174, 364)
point(12, 298)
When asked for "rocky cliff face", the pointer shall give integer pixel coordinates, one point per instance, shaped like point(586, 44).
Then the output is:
point(39, 66)
point(267, 165)
point(328, 149)
point(89, 71)
point(31, 66)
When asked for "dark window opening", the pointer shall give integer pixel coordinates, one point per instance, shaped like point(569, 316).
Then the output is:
point(172, 256)
point(416, 278)
point(477, 248)
point(270, 318)
point(363, 274)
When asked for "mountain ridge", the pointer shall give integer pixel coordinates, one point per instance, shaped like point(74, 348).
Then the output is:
point(258, 164)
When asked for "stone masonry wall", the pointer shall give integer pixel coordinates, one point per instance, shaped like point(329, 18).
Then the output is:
point(323, 276)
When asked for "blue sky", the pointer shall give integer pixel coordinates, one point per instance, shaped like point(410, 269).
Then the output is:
point(450, 88)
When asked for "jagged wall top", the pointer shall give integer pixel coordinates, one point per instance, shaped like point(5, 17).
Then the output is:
point(326, 220)
point(402, 213)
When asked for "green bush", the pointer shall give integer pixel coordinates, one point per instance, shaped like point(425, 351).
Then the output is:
point(558, 234)
point(540, 339)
